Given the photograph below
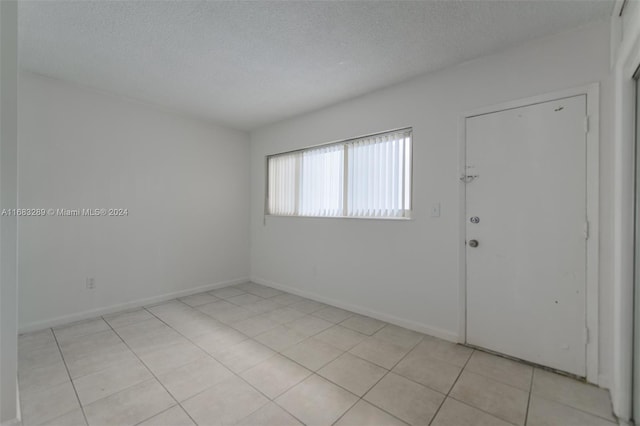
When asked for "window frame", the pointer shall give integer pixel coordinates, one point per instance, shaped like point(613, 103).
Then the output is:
point(410, 212)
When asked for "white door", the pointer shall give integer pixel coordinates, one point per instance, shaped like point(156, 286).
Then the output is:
point(526, 209)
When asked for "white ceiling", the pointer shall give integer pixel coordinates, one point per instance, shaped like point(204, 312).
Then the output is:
point(245, 64)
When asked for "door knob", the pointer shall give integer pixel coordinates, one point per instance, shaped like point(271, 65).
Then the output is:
point(473, 243)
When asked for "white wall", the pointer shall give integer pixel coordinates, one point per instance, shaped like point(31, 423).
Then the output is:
point(407, 271)
point(185, 183)
point(8, 196)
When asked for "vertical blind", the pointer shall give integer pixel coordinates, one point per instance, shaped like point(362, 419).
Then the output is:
point(364, 177)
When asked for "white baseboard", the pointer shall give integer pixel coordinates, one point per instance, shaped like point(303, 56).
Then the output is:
point(603, 381)
point(93, 313)
point(412, 325)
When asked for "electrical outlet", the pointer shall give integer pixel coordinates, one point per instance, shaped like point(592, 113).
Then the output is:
point(91, 283)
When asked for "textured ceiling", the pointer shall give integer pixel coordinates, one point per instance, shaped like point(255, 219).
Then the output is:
point(246, 64)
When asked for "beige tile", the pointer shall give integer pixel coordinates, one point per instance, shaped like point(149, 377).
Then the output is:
point(379, 352)
point(93, 387)
point(197, 327)
point(99, 361)
point(254, 325)
point(39, 356)
point(140, 329)
point(409, 401)
point(365, 414)
point(265, 291)
point(332, 314)
point(72, 418)
point(219, 340)
point(573, 393)
point(174, 416)
point(155, 342)
point(316, 401)
point(79, 347)
point(36, 339)
point(129, 406)
point(121, 319)
point(225, 403)
point(226, 292)
point(501, 369)
point(431, 372)
point(244, 355)
point(269, 415)
point(263, 306)
point(283, 315)
point(47, 404)
point(308, 306)
point(288, 299)
point(216, 308)
point(231, 315)
point(341, 337)
point(199, 299)
point(312, 353)
point(543, 412)
point(280, 338)
point(43, 376)
point(275, 375)
point(452, 353)
point(81, 328)
point(179, 317)
point(167, 306)
point(362, 324)
point(352, 373)
point(399, 336)
point(184, 316)
point(503, 401)
point(455, 413)
point(171, 357)
point(309, 325)
point(244, 299)
point(150, 335)
point(194, 377)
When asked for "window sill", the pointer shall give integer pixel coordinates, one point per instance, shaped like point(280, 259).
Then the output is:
point(399, 219)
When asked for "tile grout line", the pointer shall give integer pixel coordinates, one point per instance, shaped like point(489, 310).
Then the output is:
point(379, 380)
point(526, 415)
point(231, 371)
point(555, 401)
point(452, 386)
point(315, 372)
point(294, 361)
point(161, 412)
point(73, 385)
point(280, 353)
point(152, 374)
point(473, 350)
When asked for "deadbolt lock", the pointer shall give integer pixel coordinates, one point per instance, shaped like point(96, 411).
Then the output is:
point(473, 243)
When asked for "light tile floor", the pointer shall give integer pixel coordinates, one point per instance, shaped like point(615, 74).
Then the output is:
point(252, 355)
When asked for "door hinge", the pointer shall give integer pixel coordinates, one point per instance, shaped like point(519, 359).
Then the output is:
point(586, 230)
point(586, 336)
point(586, 124)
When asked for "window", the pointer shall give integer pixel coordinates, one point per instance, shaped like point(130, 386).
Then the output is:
point(364, 177)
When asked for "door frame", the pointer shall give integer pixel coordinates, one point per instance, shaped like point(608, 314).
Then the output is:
point(593, 190)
